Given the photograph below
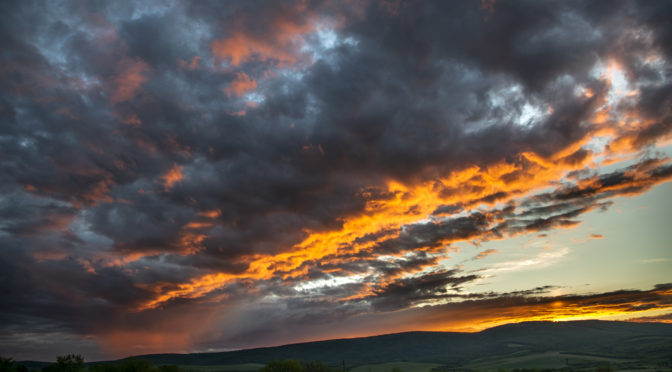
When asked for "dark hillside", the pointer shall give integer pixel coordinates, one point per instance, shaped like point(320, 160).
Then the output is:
point(621, 339)
point(636, 342)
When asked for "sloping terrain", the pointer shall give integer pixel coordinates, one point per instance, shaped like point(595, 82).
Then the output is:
point(537, 344)
point(594, 338)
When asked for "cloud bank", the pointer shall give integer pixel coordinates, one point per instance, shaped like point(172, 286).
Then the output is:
point(181, 176)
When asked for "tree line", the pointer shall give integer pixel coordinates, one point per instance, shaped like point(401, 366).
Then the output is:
point(75, 363)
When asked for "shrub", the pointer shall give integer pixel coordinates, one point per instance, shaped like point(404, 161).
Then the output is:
point(283, 366)
point(6, 364)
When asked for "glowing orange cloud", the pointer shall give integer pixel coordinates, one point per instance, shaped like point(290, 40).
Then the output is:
point(406, 205)
point(607, 306)
point(173, 176)
point(664, 317)
point(503, 183)
point(479, 314)
point(383, 218)
point(210, 214)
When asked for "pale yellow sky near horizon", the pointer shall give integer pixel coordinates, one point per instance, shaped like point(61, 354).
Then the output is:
point(634, 251)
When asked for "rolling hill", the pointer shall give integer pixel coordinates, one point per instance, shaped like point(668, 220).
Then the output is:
point(579, 341)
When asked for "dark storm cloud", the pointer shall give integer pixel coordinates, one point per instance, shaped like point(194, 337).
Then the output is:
point(161, 223)
point(403, 293)
point(447, 209)
point(62, 291)
point(24, 216)
point(432, 234)
point(129, 168)
point(159, 40)
point(633, 179)
point(562, 206)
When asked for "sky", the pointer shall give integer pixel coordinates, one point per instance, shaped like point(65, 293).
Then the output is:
point(190, 176)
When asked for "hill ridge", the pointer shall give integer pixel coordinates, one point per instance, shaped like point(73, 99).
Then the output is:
point(605, 338)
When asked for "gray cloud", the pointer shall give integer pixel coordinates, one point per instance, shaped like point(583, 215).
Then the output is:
point(100, 101)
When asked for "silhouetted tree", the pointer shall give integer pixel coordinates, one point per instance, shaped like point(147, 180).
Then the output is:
point(283, 366)
point(70, 363)
point(66, 363)
point(133, 365)
point(6, 364)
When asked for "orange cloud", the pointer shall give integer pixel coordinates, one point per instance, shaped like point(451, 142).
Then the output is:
point(173, 176)
point(279, 43)
point(195, 289)
point(502, 183)
point(129, 79)
point(405, 205)
point(97, 192)
point(240, 85)
point(210, 214)
point(485, 253)
point(474, 315)
point(620, 305)
point(662, 318)
point(402, 205)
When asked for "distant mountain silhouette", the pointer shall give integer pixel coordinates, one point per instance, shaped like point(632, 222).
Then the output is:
point(638, 341)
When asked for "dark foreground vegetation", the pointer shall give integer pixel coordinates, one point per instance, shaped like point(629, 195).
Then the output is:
point(75, 363)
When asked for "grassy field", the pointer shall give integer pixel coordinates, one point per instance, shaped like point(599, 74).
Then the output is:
point(245, 367)
point(551, 359)
point(404, 366)
point(254, 367)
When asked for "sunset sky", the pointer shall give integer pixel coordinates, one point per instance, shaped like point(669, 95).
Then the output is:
point(213, 175)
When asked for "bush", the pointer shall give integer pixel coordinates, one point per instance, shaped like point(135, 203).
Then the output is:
point(6, 364)
point(66, 363)
point(283, 366)
point(133, 365)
